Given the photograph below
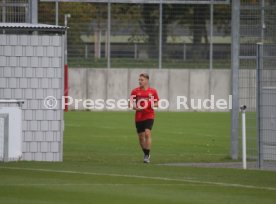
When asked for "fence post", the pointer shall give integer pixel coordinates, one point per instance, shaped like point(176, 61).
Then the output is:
point(258, 104)
point(108, 33)
point(235, 63)
point(160, 34)
point(211, 34)
point(33, 11)
point(56, 11)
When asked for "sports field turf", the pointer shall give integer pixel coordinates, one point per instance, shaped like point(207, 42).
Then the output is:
point(103, 164)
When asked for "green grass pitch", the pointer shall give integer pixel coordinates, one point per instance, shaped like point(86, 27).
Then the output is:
point(103, 164)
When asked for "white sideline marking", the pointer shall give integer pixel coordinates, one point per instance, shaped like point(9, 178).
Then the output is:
point(146, 177)
point(102, 184)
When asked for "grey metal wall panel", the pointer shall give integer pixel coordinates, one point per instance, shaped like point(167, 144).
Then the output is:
point(44, 126)
point(50, 52)
point(28, 93)
point(24, 147)
point(39, 72)
point(49, 156)
point(8, 51)
point(33, 147)
point(3, 83)
point(31, 68)
point(18, 72)
point(34, 60)
point(28, 115)
point(28, 136)
point(3, 39)
point(33, 40)
point(38, 156)
point(45, 40)
point(29, 51)
point(54, 147)
point(39, 114)
point(13, 61)
point(27, 156)
point(44, 147)
point(56, 41)
point(12, 39)
point(17, 94)
point(28, 72)
point(39, 136)
point(3, 61)
point(34, 83)
point(23, 40)
point(49, 136)
point(18, 51)
point(23, 61)
point(13, 82)
point(7, 94)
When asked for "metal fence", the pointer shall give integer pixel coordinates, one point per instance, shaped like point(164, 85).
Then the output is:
point(257, 78)
point(14, 11)
point(266, 105)
point(135, 38)
point(156, 34)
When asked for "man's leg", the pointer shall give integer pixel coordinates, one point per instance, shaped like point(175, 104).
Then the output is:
point(147, 144)
point(144, 133)
point(141, 137)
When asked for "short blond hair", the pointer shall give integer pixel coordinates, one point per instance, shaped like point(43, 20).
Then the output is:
point(145, 75)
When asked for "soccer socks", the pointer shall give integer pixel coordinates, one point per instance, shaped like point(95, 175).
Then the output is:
point(146, 151)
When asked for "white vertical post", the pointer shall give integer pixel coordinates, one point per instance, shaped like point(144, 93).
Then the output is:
point(243, 137)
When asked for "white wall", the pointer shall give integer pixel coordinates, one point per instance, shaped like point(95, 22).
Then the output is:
point(85, 83)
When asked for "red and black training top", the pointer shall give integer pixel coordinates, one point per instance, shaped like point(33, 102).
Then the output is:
point(144, 98)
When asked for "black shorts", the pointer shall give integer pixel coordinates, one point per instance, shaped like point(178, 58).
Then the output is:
point(141, 126)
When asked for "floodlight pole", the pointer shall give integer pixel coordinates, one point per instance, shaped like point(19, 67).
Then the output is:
point(235, 64)
point(259, 67)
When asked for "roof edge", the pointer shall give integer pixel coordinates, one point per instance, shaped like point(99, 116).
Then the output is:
point(32, 27)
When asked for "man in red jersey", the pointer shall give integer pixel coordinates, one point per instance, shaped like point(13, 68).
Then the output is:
point(144, 99)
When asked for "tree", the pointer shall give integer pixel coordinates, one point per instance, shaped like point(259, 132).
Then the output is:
point(142, 17)
point(193, 16)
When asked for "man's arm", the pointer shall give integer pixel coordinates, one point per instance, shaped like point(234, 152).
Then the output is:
point(131, 101)
point(156, 99)
point(155, 105)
